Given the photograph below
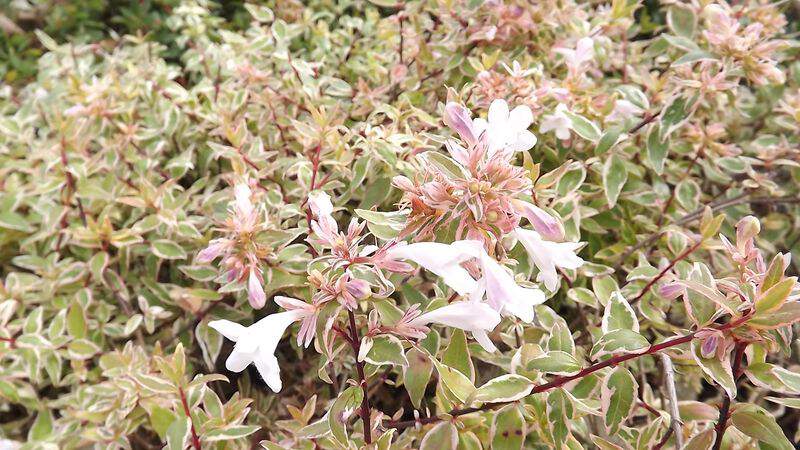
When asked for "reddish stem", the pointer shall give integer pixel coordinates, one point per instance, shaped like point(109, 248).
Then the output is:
point(664, 271)
point(355, 342)
point(724, 411)
point(195, 438)
point(562, 380)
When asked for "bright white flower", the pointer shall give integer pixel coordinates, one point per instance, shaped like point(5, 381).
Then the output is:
point(503, 293)
point(320, 203)
point(442, 259)
point(558, 122)
point(623, 110)
point(242, 194)
point(549, 255)
point(497, 285)
point(583, 52)
point(256, 344)
point(474, 317)
point(506, 131)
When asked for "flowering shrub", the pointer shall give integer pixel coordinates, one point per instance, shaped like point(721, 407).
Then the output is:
point(392, 225)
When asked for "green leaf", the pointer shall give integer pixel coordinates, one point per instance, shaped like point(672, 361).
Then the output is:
point(787, 314)
point(230, 432)
point(417, 374)
point(584, 127)
point(608, 140)
point(76, 321)
point(555, 362)
point(719, 370)
point(178, 433)
point(160, 420)
point(614, 177)
point(505, 388)
point(619, 315)
point(775, 296)
point(42, 426)
point(456, 354)
point(456, 382)
point(559, 414)
point(702, 440)
point(617, 396)
point(619, 341)
point(166, 249)
point(446, 164)
point(385, 350)
point(443, 436)
point(82, 349)
point(508, 429)
point(14, 221)
point(561, 338)
point(656, 149)
point(682, 21)
point(789, 402)
point(759, 424)
point(347, 400)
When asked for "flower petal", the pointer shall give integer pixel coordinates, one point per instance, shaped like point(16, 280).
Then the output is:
point(441, 259)
point(483, 338)
point(466, 315)
point(520, 118)
point(239, 358)
point(458, 118)
point(498, 112)
point(545, 224)
point(268, 368)
point(231, 330)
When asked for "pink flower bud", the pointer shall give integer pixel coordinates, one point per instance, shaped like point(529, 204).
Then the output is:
point(458, 118)
point(548, 226)
point(746, 229)
point(214, 249)
point(709, 347)
point(671, 290)
point(255, 292)
point(358, 288)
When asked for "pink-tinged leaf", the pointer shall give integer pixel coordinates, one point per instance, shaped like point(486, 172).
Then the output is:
point(617, 397)
point(718, 370)
point(787, 314)
point(776, 295)
point(759, 424)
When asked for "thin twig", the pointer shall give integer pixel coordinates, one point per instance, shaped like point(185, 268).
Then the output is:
point(562, 380)
point(195, 438)
point(669, 381)
point(355, 342)
point(724, 411)
point(666, 269)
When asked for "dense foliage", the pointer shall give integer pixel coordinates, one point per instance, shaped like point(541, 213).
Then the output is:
point(435, 224)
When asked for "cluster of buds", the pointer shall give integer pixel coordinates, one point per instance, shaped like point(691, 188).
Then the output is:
point(750, 47)
point(479, 188)
point(241, 250)
point(758, 296)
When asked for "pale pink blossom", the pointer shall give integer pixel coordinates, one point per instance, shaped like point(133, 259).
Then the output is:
point(548, 255)
point(577, 57)
point(558, 122)
point(544, 223)
point(306, 312)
